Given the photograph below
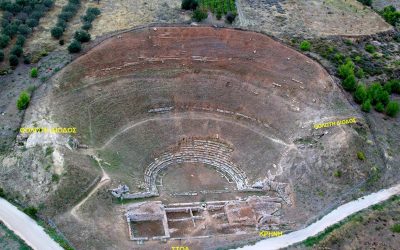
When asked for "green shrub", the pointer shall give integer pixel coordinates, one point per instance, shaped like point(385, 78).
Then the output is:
point(62, 24)
point(34, 72)
point(55, 178)
point(361, 155)
point(346, 69)
point(366, 106)
point(370, 48)
point(23, 100)
point(360, 73)
point(31, 211)
point(27, 59)
point(66, 16)
point(305, 45)
point(48, 3)
point(4, 40)
point(189, 4)
point(337, 173)
point(366, 2)
point(392, 109)
point(219, 14)
point(2, 193)
point(24, 30)
point(56, 32)
point(379, 107)
point(383, 97)
point(360, 95)
point(74, 47)
point(395, 228)
point(230, 17)
point(82, 36)
point(94, 11)
point(390, 15)
point(13, 60)
point(16, 50)
point(350, 83)
point(392, 86)
point(1, 55)
point(338, 57)
point(89, 18)
point(86, 26)
point(199, 14)
point(377, 94)
point(20, 40)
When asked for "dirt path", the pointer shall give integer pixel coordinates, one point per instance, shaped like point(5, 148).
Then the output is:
point(194, 116)
point(104, 179)
point(26, 228)
point(330, 219)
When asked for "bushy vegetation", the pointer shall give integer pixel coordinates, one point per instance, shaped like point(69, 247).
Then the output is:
point(390, 14)
point(392, 86)
point(375, 95)
point(360, 95)
point(392, 109)
point(313, 240)
point(74, 47)
point(82, 36)
point(67, 13)
point(366, 106)
point(218, 7)
point(23, 100)
point(4, 40)
point(370, 48)
point(57, 32)
point(19, 18)
point(337, 173)
point(395, 228)
point(31, 211)
point(199, 14)
point(34, 72)
point(89, 17)
point(13, 60)
point(361, 155)
point(305, 45)
point(1, 55)
point(16, 50)
point(230, 17)
point(189, 4)
point(366, 2)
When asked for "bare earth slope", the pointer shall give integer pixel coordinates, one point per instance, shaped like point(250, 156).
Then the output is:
point(139, 94)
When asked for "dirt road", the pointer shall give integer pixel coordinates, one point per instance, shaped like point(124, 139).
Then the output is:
point(26, 228)
point(104, 179)
point(328, 220)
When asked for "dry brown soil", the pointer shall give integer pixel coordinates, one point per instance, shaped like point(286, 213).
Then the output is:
point(250, 91)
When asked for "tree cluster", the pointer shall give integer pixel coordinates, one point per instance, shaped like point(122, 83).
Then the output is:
point(18, 20)
point(374, 95)
point(391, 15)
point(82, 35)
point(67, 13)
